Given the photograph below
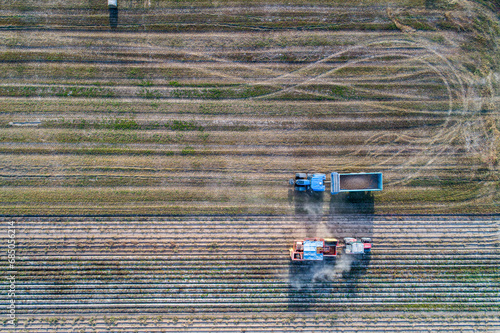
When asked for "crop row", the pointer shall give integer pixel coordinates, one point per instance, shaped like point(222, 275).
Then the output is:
point(395, 221)
point(167, 128)
point(383, 322)
point(102, 108)
point(171, 16)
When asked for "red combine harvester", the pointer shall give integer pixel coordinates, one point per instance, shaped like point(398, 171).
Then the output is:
point(319, 249)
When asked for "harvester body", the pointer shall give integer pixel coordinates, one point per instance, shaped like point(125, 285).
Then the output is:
point(313, 249)
point(357, 246)
point(318, 249)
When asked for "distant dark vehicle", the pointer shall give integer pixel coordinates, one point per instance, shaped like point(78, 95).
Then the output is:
point(113, 13)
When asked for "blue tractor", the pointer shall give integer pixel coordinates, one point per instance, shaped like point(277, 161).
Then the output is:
point(339, 182)
point(309, 182)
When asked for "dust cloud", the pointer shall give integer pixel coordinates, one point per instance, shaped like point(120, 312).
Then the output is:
point(342, 265)
point(314, 210)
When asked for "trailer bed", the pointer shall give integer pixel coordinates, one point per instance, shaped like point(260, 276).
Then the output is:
point(351, 182)
point(361, 181)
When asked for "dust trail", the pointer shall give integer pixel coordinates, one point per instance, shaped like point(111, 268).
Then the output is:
point(342, 265)
point(322, 230)
point(313, 210)
point(297, 284)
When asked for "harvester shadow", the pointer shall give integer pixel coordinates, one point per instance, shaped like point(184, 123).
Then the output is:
point(305, 290)
point(351, 215)
point(302, 290)
point(359, 266)
point(312, 286)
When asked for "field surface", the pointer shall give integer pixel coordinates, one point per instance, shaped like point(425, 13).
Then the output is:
point(145, 168)
point(233, 273)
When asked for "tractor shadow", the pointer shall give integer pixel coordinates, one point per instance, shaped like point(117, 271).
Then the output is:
point(308, 209)
point(349, 215)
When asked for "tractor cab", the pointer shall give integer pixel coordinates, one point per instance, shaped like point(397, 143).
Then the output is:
point(309, 182)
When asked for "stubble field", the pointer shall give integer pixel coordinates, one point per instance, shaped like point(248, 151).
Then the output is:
point(146, 168)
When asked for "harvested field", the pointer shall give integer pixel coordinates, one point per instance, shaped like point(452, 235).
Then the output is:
point(144, 169)
point(136, 112)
